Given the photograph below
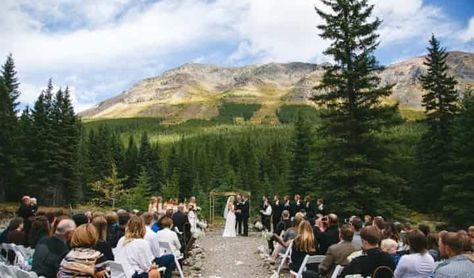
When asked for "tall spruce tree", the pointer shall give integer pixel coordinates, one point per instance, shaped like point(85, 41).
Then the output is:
point(300, 175)
point(441, 105)
point(352, 156)
point(8, 158)
point(11, 81)
point(458, 193)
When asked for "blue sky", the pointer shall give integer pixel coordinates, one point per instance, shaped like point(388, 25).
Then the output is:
point(100, 48)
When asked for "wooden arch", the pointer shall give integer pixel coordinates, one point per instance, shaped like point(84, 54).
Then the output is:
point(213, 194)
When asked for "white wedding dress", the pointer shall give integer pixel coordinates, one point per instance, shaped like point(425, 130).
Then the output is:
point(229, 229)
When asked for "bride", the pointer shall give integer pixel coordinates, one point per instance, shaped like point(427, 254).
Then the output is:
point(229, 215)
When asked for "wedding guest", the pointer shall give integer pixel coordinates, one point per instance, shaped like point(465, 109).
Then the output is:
point(296, 205)
point(39, 230)
point(123, 218)
point(287, 204)
point(82, 259)
point(167, 235)
point(245, 214)
point(135, 253)
point(320, 208)
point(180, 218)
point(304, 244)
point(289, 235)
point(309, 208)
point(356, 224)
point(50, 251)
point(390, 247)
point(330, 236)
point(368, 221)
point(419, 263)
point(238, 214)
point(457, 264)
point(433, 249)
point(16, 234)
point(80, 218)
point(337, 253)
point(373, 258)
point(100, 223)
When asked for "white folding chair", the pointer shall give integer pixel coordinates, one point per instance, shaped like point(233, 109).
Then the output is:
point(20, 273)
point(117, 270)
point(7, 271)
point(337, 271)
point(285, 257)
point(316, 259)
point(165, 249)
point(3, 253)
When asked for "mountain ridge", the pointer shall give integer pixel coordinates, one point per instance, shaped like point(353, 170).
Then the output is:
point(194, 91)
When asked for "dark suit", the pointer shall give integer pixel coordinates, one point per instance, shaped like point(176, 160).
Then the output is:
point(295, 207)
point(238, 217)
point(245, 216)
point(327, 238)
point(367, 263)
point(277, 209)
point(179, 219)
point(310, 209)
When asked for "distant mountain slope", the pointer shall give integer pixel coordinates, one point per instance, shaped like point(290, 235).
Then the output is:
point(195, 91)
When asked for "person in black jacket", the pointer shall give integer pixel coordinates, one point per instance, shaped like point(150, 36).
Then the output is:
point(328, 237)
point(277, 209)
point(180, 218)
point(374, 262)
point(26, 210)
point(296, 206)
point(51, 250)
point(238, 214)
point(245, 214)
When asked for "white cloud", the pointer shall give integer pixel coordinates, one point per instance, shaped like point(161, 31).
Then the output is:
point(100, 48)
point(468, 34)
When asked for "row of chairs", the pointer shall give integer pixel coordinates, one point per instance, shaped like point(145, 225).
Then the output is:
point(316, 259)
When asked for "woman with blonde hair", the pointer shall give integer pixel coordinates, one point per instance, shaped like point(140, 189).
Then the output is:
point(304, 244)
point(81, 261)
point(229, 215)
point(134, 252)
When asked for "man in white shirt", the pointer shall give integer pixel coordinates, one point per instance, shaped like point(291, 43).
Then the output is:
point(153, 240)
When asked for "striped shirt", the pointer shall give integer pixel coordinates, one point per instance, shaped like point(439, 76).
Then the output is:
point(459, 266)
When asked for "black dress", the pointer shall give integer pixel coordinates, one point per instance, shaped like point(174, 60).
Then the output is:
point(297, 257)
point(104, 248)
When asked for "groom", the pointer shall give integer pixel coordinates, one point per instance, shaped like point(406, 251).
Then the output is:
point(245, 214)
point(238, 214)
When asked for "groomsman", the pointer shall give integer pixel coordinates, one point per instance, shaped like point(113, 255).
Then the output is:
point(277, 208)
point(245, 214)
point(296, 206)
point(287, 203)
point(309, 207)
point(238, 214)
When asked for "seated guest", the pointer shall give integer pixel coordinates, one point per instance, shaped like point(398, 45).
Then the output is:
point(100, 223)
point(180, 218)
point(50, 251)
point(82, 259)
point(80, 219)
point(112, 224)
point(135, 253)
point(330, 236)
point(288, 236)
point(390, 246)
point(373, 259)
point(153, 240)
point(433, 249)
point(283, 224)
point(167, 235)
point(356, 224)
point(16, 234)
point(39, 229)
point(26, 209)
point(470, 231)
point(419, 262)
point(368, 221)
point(119, 231)
point(337, 253)
point(457, 265)
point(156, 226)
point(304, 244)
point(379, 223)
point(425, 229)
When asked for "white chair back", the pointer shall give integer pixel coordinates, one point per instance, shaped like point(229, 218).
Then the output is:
point(165, 249)
point(20, 273)
point(7, 271)
point(337, 271)
point(316, 259)
point(117, 270)
point(285, 257)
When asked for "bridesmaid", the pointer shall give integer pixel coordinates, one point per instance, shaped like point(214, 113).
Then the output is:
point(152, 205)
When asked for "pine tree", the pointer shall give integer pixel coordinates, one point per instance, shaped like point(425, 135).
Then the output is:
point(351, 154)
point(11, 82)
point(110, 189)
point(300, 175)
point(136, 195)
point(130, 164)
point(149, 158)
point(441, 104)
point(457, 194)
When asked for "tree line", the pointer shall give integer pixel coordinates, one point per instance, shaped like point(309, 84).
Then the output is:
point(359, 155)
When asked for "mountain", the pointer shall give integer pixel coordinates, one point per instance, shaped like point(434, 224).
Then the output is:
point(195, 91)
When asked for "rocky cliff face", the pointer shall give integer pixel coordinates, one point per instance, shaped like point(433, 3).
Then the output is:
point(195, 90)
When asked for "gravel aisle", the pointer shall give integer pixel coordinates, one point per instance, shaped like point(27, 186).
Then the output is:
point(232, 257)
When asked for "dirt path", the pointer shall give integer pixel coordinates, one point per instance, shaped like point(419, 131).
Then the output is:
point(232, 257)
